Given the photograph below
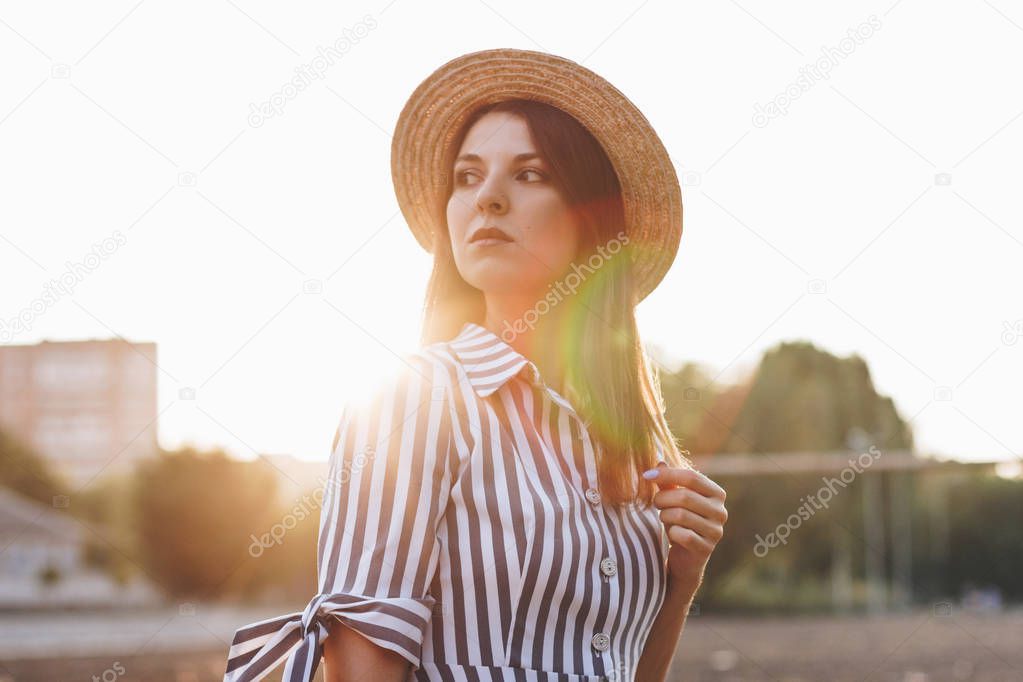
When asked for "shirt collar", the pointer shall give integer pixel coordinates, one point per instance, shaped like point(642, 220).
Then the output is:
point(490, 362)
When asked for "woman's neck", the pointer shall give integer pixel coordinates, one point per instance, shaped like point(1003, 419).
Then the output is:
point(537, 337)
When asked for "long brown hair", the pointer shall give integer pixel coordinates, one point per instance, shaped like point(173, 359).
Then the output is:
point(610, 379)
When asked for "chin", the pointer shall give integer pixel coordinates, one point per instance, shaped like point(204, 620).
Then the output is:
point(498, 283)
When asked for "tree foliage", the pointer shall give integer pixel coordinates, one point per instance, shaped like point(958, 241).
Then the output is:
point(24, 470)
point(800, 399)
point(196, 513)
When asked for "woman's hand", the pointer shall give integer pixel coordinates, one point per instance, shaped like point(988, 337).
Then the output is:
point(693, 513)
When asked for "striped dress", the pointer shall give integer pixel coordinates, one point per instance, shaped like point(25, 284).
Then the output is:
point(462, 527)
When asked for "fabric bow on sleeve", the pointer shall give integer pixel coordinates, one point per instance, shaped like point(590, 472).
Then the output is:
point(395, 623)
point(390, 475)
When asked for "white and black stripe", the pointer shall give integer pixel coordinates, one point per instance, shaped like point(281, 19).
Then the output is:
point(461, 528)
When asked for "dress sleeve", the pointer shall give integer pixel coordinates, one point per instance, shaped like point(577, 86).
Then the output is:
point(390, 476)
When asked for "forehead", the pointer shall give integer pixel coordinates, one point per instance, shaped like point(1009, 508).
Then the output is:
point(497, 133)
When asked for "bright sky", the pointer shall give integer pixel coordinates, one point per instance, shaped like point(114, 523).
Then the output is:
point(131, 123)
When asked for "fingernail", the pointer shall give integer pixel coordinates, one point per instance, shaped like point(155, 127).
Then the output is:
point(651, 473)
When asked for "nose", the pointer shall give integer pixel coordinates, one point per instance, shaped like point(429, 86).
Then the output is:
point(491, 199)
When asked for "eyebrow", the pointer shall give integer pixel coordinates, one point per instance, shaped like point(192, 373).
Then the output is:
point(518, 158)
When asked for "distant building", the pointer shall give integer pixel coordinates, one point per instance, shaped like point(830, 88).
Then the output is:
point(43, 561)
point(86, 406)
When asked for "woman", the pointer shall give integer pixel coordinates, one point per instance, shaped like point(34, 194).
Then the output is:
point(486, 517)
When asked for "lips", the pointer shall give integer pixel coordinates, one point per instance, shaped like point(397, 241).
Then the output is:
point(489, 233)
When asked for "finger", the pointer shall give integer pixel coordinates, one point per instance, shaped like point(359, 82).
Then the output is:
point(689, 539)
point(685, 498)
point(676, 516)
point(667, 476)
point(661, 483)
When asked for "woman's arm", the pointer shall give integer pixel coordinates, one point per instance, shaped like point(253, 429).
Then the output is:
point(350, 657)
point(664, 633)
point(694, 515)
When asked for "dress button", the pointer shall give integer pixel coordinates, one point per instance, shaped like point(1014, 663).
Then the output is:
point(600, 641)
point(608, 566)
point(593, 496)
point(611, 675)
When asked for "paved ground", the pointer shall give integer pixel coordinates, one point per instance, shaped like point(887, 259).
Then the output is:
point(919, 647)
point(922, 646)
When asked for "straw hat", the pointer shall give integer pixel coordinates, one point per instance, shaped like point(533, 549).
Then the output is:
point(422, 148)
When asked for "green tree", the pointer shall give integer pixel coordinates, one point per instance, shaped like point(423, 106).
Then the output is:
point(800, 398)
point(196, 515)
point(985, 536)
point(24, 470)
point(804, 399)
point(106, 507)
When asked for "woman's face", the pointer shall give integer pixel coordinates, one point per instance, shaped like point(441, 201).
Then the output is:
point(500, 182)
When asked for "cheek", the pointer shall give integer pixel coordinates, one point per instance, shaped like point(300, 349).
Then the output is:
point(458, 216)
point(555, 231)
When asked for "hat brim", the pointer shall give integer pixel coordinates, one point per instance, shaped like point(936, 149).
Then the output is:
point(421, 149)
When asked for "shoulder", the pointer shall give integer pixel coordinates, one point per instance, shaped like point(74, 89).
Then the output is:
point(412, 382)
point(433, 369)
point(422, 369)
point(426, 385)
point(403, 407)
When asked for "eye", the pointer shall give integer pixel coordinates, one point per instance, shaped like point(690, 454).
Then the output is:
point(462, 177)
